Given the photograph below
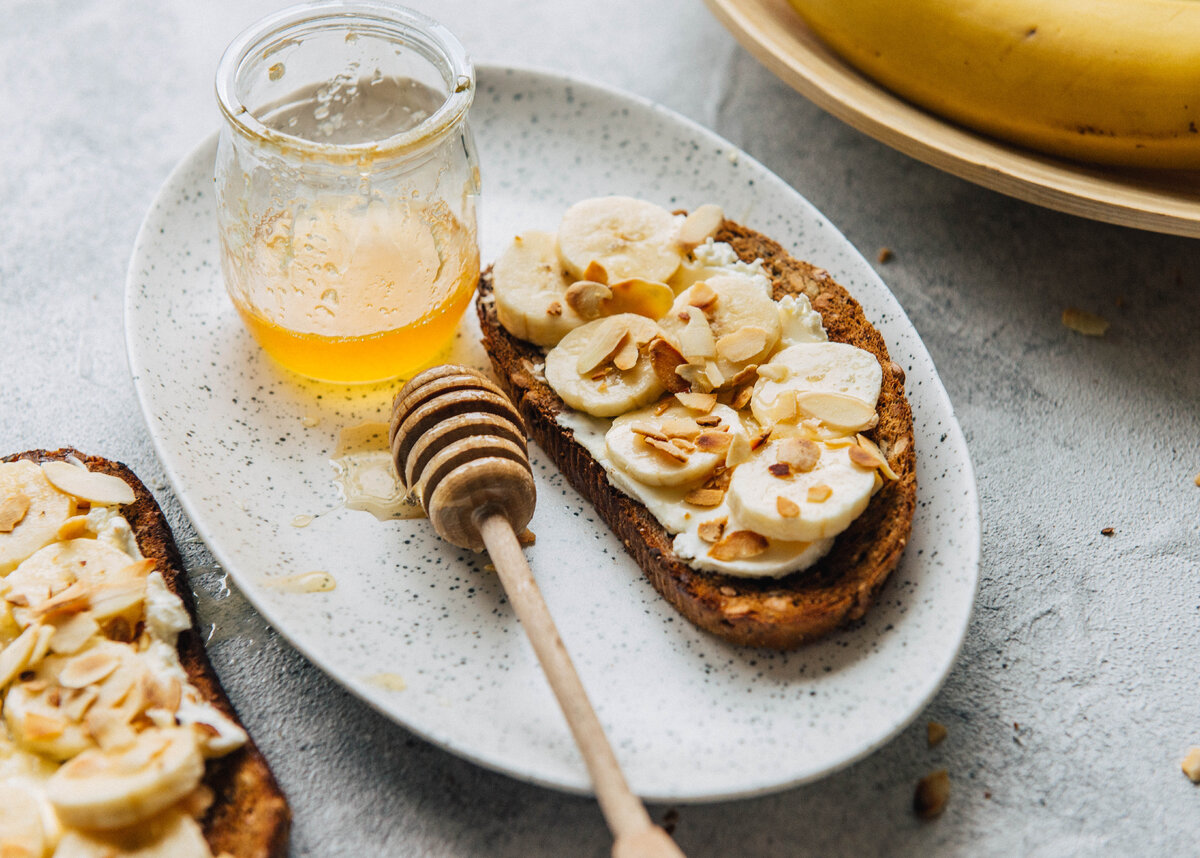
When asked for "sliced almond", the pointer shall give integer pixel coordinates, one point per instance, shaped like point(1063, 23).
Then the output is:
point(117, 599)
point(647, 430)
point(666, 447)
point(786, 507)
point(554, 308)
point(71, 633)
point(680, 427)
point(696, 341)
point(748, 375)
point(713, 372)
point(587, 297)
point(91, 486)
point(596, 272)
point(703, 297)
point(73, 528)
point(837, 410)
point(713, 441)
point(776, 372)
point(742, 344)
point(664, 360)
point(647, 298)
point(711, 531)
point(800, 454)
point(873, 450)
point(783, 408)
point(760, 438)
point(703, 402)
point(71, 600)
point(705, 497)
point(739, 450)
point(663, 406)
point(779, 469)
point(739, 545)
point(626, 357)
point(15, 656)
point(609, 340)
point(708, 421)
point(39, 727)
point(88, 669)
point(819, 493)
point(700, 225)
point(76, 703)
point(741, 397)
point(12, 511)
point(684, 445)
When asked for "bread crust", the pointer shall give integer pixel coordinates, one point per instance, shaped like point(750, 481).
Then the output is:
point(775, 613)
point(249, 817)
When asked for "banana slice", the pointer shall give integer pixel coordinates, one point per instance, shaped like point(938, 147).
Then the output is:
point(601, 368)
point(817, 368)
point(97, 566)
point(627, 237)
point(21, 832)
point(743, 320)
point(664, 449)
point(799, 505)
point(105, 790)
point(531, 288)
point(172, 834)
point(47, 509)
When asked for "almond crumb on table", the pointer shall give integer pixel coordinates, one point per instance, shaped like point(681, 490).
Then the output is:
point(1191, 764)
point(932, 793)
point(935, 733)
point(1083, 322)
point(1108, 531)
point(885, 255)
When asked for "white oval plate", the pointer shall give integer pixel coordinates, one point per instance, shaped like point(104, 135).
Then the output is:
point(691, 718)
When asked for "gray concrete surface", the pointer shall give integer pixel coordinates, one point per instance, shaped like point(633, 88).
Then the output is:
point(1076, 694)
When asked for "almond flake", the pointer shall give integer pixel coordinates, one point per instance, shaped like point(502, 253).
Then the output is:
point(776, 372)
point(648, 298)
point(608, 341)
point(526, 538)
point(694, 377)
point(700, 225)
point(663, 406)
point(72, 633)
point(39, 727)
point(70, 600)
point(739, 451)
point(684, 445)
point(664, 360)
point(15, 656)
point(741, 397)
point(837, 410)
point(714, 374)
point(742, 344)
point(728, 591)
point(696, 341)
point(711, 531)
point(704, 497)
point(73, 528)
point(88, 669)
point(666, 447)
point(739, 545)
point(78, 702)
point(1083, 322)
point(701, 296)
point(870, 446)
point(839, 442)
point(780, 469)
point(680, 427)
point(587, 297)
point(646, 430)
point(800, 454)
point(555, 308)
point(819, 493)
point(759, 439)
point(12, 511)
point(703, 402)
point(91, 486)
point(708, 421)
point(596, 273)
point(783, 408)
point(713, 441)
point(786, 507)
point(626, 357)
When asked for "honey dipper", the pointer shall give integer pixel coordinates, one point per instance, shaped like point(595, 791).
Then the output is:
point(459, 444)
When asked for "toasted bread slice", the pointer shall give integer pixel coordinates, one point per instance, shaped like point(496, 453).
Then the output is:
point(249, 817)
point(777, 613)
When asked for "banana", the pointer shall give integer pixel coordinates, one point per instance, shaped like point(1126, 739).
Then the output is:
point(602, 368)
point(531, 288)
point(113, 582)
point(626, 237)
point(1107, 81)
point(802, 503)
point(826, 374)
point(643, 444)
point(172, 834)
point(41, 508)
point(21, 831)
point(728, 320)
point(112, 789)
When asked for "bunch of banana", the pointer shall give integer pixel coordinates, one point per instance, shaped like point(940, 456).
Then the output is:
point(1109, 81)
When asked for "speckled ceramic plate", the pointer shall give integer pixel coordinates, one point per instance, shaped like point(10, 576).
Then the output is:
point(691, 718)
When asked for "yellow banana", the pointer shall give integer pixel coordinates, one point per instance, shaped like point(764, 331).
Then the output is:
point(1106, 81)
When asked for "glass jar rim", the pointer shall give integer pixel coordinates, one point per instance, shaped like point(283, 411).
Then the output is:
point(429, 32)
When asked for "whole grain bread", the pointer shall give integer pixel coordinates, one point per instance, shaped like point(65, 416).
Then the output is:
point(776, 613)
point(249, 817)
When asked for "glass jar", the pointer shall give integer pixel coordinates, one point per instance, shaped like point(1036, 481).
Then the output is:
point(346, 185)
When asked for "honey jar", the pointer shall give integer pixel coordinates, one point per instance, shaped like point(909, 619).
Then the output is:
point(346, 184)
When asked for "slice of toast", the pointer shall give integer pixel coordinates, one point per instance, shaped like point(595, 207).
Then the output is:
point(249, 817)
point(777, 613)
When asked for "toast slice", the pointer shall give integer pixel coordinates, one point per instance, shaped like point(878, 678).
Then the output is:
point(249, 816)
point(778, 613)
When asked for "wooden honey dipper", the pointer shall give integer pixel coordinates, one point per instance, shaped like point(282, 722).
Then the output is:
point(459, 444)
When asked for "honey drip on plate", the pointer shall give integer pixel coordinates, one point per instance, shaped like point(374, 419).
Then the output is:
point(366, 476)
point(302, 582)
